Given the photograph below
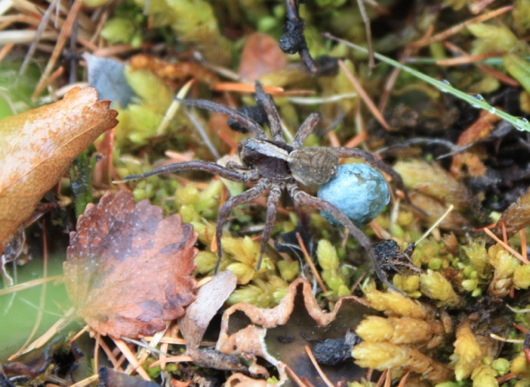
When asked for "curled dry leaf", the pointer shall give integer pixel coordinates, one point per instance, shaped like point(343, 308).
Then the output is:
point(280, 334)
point(128, 269)
point(38, 146)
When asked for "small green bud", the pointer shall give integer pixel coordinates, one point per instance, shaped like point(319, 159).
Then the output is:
point(501, 365)
point(289, 270)
point(521, 277)
point(327, 255)
point(118, 30)
point(435, 264)
point(470, 284)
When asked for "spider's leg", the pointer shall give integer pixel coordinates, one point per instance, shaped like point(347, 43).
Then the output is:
point(225, 210)
point(313, 202)
point(306, 129)
point(198, 165)
point(264, 100)
point(239, 117)
point(370, 159)
point(233, 165)
point(272, 204)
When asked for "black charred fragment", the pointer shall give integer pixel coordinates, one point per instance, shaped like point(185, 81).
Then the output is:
point(255, 113)
point(293, 40)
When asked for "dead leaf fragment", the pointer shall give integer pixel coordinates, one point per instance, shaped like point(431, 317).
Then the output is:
point(209, 300)
point(128, 269)
point(38, 146)
point(261, 55)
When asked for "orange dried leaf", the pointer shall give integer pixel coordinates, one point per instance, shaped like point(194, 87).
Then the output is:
point(128, 269)
point(173, 71)
point(38, 146)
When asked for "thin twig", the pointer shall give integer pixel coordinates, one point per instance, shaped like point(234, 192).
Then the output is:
point(38, 33)
point(131, 357)
point(364, 96)
point(295, 377)
point(368, 32)
point(506, 246)
point(310, 263)
point(459, 27)
point(87, 381)
point(317, 366)
point(61, 40)
point(438, 221)
point(506, 79)
point(29, 285)
point(42, 300)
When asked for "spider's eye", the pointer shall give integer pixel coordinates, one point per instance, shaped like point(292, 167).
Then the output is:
point(358, 190)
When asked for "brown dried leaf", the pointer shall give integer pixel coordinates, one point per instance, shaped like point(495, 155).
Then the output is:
point(38, 146)
point(439, 189)
point(279, 334)
point(128, 269)
point(261, 55)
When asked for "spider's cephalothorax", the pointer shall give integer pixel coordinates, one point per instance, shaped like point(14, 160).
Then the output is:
point(275, 166)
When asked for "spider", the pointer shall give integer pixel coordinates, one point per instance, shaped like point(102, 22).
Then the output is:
point(274, 166)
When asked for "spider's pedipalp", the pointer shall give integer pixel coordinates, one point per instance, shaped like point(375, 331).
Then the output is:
point(306, 129)
point(265, 101)
point(228, 206)
point(319, 204)
point(272, 205)
point(198, 165)
point(239, 117)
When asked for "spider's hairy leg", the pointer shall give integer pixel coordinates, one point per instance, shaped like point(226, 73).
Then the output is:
point(226, 208)
point(239, 117)
point(272, 204)
point(306, 129)
point(198, 165)
point(374, 162)
point(319, 204)
point(265, 101)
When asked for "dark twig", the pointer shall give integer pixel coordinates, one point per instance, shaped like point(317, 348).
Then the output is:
point(293, 40)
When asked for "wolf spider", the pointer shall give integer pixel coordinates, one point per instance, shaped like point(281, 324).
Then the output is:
point(274, 166)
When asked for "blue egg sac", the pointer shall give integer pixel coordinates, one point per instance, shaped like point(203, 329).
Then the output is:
point(358, 190)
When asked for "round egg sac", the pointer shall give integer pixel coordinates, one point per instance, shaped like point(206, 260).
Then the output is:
point(358, 190)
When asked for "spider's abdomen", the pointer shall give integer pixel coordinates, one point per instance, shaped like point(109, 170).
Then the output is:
point(268, 157)
point(313, 165)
